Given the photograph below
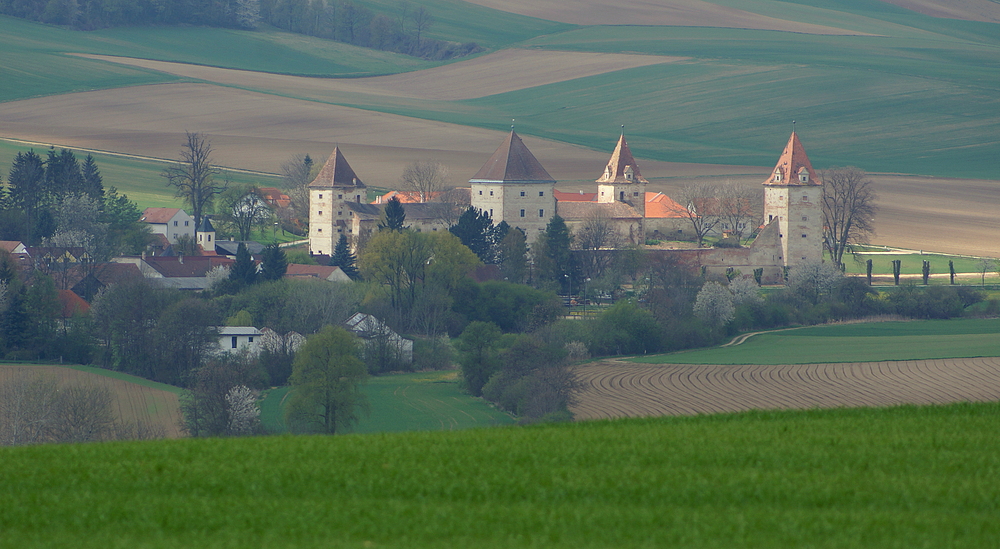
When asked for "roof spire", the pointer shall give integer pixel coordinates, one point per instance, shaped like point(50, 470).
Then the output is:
point(793, 126)
point(511, 124)
point(623, 129)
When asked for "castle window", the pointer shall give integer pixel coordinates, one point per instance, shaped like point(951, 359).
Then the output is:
point(522, 193)
point(321, 212)
point(340, 212)
point(803, 236)
point(321, 195)
point(541, 213)
point(804, 218)
point(480, 193)
point(777, 176)
point(804, 176)
point(541, 193)
point(805, 197)
point(319, 230)
point(491, 193)
point(522, 213)
point(491, 212)
point(635, 193)
point(338, 196)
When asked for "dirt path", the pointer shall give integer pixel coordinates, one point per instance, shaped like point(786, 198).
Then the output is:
point(615, 388)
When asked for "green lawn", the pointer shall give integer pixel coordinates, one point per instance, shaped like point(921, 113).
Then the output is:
point(913, 264)
point(424, 401)
point(889, 478)
point(865, 342)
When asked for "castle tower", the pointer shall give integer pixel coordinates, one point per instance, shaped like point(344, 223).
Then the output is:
point(793, 197)
point(622, 181)
point(329, 193)
point(514, 187)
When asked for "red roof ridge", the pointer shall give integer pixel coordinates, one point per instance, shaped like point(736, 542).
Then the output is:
point(793, 167)
point(620, 158)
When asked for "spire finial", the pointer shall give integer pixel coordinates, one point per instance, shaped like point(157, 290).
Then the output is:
point(793, 126)
point(623, 129)
point(511, 124)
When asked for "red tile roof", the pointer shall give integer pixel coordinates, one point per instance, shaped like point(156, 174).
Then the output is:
point(337, 173)
point(791, 166)
point(512, 162)
point(407, 197)
point(159, 215)
point(659, 205)
point(574, 197)
point(620, 159)
point(275, 197)
point(186, 266)
point(72, 304)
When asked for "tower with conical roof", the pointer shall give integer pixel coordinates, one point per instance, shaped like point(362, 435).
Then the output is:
point(514, 187)
point(621, 181)
point(329, 193)
point(793, 198)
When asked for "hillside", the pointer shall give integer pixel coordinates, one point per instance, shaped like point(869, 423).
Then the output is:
point(897, 477)
point(869, 83)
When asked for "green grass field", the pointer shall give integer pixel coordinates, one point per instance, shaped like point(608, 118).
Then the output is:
point(866, 342)
point(889, 478)
point(423, 401)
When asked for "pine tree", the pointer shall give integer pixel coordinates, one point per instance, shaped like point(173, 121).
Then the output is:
point(243, 270)
point(343, 258)
point(93, 183)
point(395, 216)
point(273, 264)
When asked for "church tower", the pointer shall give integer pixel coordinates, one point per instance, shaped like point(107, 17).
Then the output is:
point(793, 198)
point(329, 193)
point(514, 187)
point(622, 181)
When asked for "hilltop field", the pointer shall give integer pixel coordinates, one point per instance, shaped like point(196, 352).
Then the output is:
point(707, 90)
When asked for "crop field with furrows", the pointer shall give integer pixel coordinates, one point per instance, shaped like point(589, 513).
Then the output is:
point(135, 399)
point(891, 477)
point(847, 365)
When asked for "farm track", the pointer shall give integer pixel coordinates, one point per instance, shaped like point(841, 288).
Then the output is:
point(614, 388)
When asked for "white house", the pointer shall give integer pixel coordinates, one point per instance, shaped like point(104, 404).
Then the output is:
point(170, 222)
point(374, 332)
point(236, 338)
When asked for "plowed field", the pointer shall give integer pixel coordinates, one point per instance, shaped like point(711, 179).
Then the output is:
point(622, 389)
point(132, 402)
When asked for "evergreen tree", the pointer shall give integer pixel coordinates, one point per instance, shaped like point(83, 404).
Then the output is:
point(552, 255)
point(93, 183)
point(473, 229)
point(273, 262)
point(243, 270)
point(513, 257)
point(343, 258)
point(62, 173)
point(395, 216)
point(27, 192)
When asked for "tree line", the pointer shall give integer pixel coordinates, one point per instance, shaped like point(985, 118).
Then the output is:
point(402, 30)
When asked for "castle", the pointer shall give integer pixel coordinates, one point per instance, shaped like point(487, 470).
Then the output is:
point(513, 186)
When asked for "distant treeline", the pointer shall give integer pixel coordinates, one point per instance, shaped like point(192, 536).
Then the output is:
point(341, 20)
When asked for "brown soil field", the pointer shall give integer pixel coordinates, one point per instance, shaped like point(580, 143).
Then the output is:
point(688, 13)
point(622, 389)
point(259, 131)
point(503, 71)
point(971, 10)
point(133, 402)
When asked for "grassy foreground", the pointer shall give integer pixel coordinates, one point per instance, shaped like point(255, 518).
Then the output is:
point(899, 477)
point(867, 342)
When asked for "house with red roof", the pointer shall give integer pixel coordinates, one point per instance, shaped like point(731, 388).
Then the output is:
point(172, 223)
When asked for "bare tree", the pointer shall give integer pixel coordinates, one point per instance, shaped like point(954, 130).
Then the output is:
point(848, 210)
point(424, 177)
point(740, 209)
point(244, 208)
point(701, 203)
point(194, 175)
point(422, 21)
point(597, 238)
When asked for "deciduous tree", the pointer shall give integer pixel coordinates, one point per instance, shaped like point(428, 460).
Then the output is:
point(326, 379)
point(848, 210)
point(701, 208)
point(424, 177)
point(194, 176)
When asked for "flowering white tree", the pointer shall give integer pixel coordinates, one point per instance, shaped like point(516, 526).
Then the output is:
point(244, 414)
point(714, 304)
point(745, 290)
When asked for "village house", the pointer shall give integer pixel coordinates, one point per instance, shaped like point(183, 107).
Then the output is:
point(234, 339)
point(170, 222)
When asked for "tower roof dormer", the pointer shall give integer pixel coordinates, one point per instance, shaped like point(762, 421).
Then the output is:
point(337, 173)
point(793, 167)
point(512, 162)
point(622, 168)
